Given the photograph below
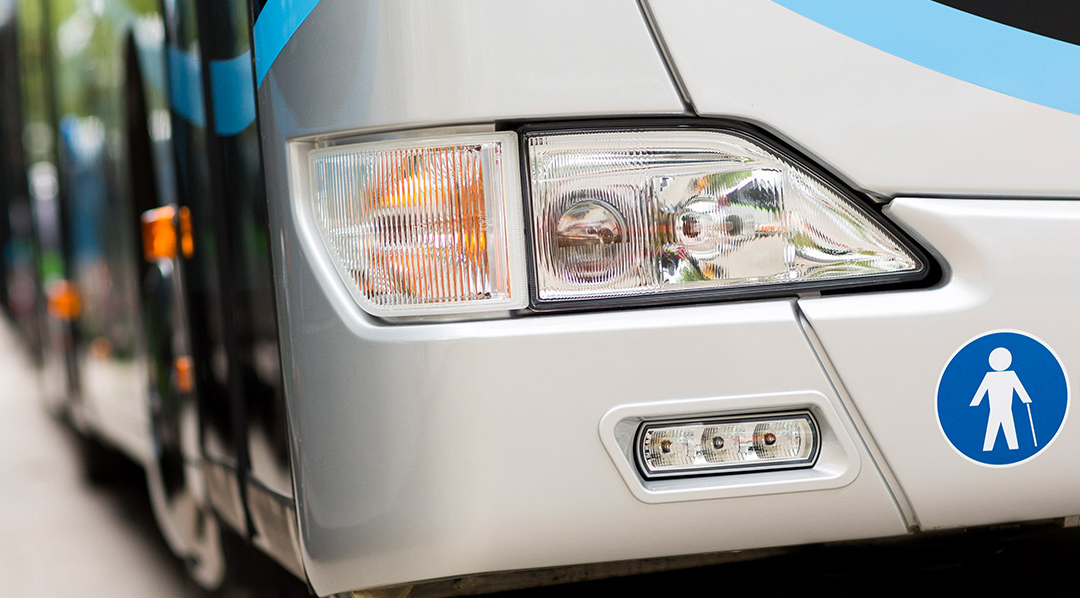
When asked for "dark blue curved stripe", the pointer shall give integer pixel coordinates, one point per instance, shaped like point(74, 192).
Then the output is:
point(989, 54)
point(276, 24)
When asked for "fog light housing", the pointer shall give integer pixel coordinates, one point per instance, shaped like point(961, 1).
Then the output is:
point(727, 445)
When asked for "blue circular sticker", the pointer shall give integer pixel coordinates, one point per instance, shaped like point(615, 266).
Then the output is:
point(1002, 398)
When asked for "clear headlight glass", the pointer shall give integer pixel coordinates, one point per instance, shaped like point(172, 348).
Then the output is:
point(642, 212)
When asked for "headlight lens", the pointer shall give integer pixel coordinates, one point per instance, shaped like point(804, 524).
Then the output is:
point(642, 212)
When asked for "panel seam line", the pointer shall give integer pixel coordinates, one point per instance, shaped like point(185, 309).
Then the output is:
point(907, 511)
point(665, 57)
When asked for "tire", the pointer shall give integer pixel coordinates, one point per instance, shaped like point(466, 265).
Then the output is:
point(100, 464)
point(177, 489)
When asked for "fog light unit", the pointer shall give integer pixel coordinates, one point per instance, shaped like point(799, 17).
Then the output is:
point(727, 445)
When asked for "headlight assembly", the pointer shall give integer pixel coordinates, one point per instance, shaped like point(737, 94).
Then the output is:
point(631, 213)
point(435, 226)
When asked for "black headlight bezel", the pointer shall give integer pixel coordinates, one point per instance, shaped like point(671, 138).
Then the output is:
point(927, 273)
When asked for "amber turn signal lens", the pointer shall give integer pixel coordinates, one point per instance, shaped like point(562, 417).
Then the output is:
point(187, 241)
point(63, 300)
point(185, 375)
point(424, 227)
point(159, 233)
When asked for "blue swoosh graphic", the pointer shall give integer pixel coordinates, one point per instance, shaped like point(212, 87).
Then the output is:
point(1005, 59)
point(274, 27)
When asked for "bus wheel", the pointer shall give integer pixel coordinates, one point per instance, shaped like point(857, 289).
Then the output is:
point(178, 492)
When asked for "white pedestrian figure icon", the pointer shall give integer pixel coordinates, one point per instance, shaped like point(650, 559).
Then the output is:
point(1000, 384)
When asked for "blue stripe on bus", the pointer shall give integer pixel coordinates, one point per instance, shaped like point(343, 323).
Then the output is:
point(1005, 59)
point(234, 94)
point(233, 91)
point(275, 25)
point(185, 87)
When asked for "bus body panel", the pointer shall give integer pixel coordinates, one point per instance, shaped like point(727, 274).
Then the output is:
point(1006, 272)
point(883, 123)
point(379, 452)
point(377, 65)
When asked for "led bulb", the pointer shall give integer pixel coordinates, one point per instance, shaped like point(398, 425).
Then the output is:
point(673, 447)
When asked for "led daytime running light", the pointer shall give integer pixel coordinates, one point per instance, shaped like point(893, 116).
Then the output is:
point(742, 444)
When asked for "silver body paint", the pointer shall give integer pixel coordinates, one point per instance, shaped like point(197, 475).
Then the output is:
point(429, 450)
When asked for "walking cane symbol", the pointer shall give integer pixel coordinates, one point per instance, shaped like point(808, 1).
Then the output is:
point(1032, 422)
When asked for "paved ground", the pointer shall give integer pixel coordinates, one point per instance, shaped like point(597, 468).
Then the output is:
point(60, 535)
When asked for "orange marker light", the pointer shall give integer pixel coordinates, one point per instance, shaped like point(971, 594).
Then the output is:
point(187, 241)
point(159, 233)
point(185, 376)
point(63, 300)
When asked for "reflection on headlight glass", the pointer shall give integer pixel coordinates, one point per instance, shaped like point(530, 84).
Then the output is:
point(643, 212)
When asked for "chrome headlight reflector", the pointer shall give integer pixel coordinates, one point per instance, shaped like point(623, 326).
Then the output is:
point(655, 211)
